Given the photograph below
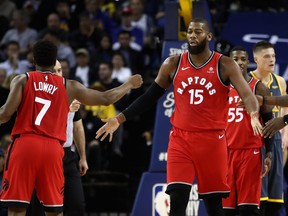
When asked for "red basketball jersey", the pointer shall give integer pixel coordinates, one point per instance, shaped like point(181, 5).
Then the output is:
point(239, 133)
point(44, 107)
point(200, 95)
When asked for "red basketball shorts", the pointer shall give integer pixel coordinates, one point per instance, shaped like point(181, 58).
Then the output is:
point(244, 179)
point(198, 154)
point(34, 162)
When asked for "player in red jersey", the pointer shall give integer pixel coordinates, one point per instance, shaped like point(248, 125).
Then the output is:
point(245, 149)
point(197, 146)
point(34, 158)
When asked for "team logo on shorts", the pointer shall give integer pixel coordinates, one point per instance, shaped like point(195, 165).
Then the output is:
point(161, 200)
point(5, 184)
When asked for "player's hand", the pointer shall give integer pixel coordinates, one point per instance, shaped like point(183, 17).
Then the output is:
point(136, 81)
point(272, 126)
point(267, 166)
point(108, 129)
point(74, 106)
point(255, 123)
point(83, 166)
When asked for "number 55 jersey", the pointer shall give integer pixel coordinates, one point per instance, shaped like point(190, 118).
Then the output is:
point(239, 132)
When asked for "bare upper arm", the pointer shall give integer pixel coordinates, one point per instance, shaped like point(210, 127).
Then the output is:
point(283, 85)
point(166, 71)
point(15, 95)
point(76, 90)
point(230, 72)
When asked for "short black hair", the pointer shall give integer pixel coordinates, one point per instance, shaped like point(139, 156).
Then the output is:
point(44, 53)
point(262, 45)
point(238, 48)
point(108, 63)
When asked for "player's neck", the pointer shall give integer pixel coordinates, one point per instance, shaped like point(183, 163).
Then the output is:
point(44, 69)
point(201, 58)
point(263, 76)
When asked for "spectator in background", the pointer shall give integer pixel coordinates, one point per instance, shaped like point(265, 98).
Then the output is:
point(120, 70)
point(13, 64)
point(106, 79)
point(7, 8)
point(133, 57)
point(53, 23)
point(63, 11)
point(83, 69)
point(101, 20)
point(64, 51)
point(126, 25)
point(142, 20)
point(105, 52)
point(86, 36)
point(20, 32)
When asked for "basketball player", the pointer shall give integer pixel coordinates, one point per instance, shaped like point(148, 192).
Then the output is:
point(34, 159)
point(244, 149)
point(272, 185)
point(197, 146)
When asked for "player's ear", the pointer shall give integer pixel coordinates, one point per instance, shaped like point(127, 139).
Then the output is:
point(209, 36)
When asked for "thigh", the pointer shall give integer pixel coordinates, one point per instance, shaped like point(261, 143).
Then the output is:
point(20, 171)
point(212, 163)
point(180, 167)
point(50, 177)
point(248, 179)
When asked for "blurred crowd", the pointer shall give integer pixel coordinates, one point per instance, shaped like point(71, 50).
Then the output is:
point(101, 43)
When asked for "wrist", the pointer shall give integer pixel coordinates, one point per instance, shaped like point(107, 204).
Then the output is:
point(254, 114)
point(120, 118)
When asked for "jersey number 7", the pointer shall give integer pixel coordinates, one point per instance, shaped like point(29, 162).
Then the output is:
point(43, 111)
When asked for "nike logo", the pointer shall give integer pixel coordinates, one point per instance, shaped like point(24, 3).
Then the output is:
point(221, 136)
point(185, 68)
point(256, 152)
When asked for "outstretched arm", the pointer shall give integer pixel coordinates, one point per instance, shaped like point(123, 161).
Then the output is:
point(14, 98)
point(93, 97)
point(231, 71)
point(145, 101)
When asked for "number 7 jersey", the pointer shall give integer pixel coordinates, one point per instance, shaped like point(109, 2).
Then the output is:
point(201, 98)
point(44, 107)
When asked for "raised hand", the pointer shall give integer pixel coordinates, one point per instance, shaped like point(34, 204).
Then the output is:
point(74, 106)
point(272, 126)
point(136, 81)
point(108, 129)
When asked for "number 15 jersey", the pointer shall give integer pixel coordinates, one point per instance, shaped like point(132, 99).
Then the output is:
point(200, 95)
point(44, 107)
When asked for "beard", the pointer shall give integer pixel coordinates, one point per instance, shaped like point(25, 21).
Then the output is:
point(197, 49)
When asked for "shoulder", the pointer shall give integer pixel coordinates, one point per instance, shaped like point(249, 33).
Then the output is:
point(171, 61)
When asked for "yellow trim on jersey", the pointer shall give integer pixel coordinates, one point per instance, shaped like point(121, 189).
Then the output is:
point(263, 198)
point(278, 82)
point(276, 200)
